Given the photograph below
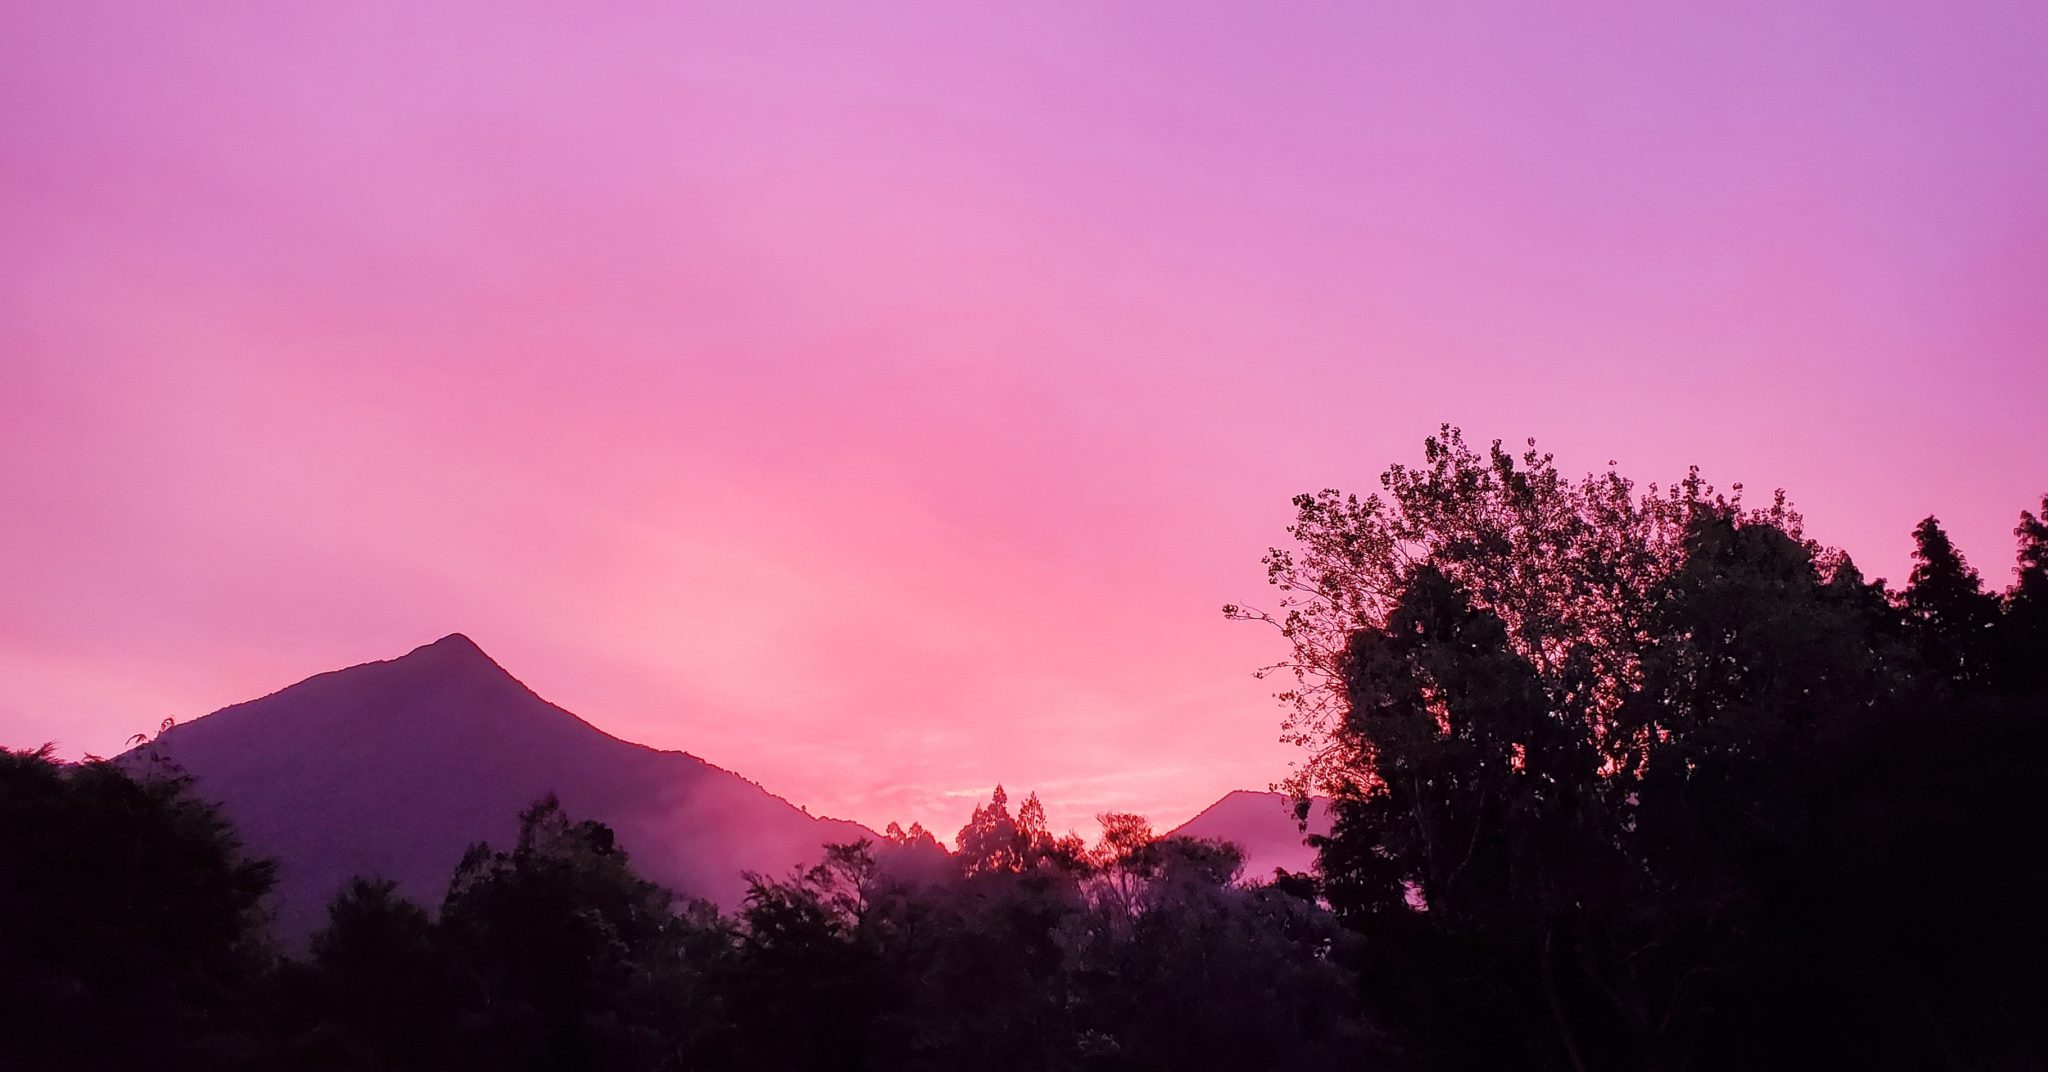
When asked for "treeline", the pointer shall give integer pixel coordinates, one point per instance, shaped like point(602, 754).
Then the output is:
point(1650, 780)
point(132, 936)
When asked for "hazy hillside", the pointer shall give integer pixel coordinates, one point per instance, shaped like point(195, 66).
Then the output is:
point(1263, 825)
point(394, 768)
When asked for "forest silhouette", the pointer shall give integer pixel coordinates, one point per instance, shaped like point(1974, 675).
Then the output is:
point(1624, 778)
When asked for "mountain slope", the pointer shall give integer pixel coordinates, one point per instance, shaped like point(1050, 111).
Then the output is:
point(1263, 825)
point(394, 768)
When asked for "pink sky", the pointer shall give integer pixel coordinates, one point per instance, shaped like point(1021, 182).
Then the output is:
point(880, 400)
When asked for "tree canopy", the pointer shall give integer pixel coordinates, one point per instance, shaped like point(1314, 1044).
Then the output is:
point(131, 921)
point(1653, 780)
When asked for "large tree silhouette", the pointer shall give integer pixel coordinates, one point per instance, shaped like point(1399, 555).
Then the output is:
point(1710, 799)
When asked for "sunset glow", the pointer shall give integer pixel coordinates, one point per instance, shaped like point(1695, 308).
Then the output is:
point(882, 402)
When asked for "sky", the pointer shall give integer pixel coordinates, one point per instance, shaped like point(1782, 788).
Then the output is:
point(881, 400)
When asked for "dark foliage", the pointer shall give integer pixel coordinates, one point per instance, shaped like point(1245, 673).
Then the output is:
point(130, 929)
point(133, 939)
point(1727, 805)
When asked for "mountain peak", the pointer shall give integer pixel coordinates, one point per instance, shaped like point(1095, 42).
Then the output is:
point(396, 767)
point(454, 651)
point(452, 644)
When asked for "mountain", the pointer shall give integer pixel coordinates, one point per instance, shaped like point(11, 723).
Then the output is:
point(394, 768)
point(1263, 825)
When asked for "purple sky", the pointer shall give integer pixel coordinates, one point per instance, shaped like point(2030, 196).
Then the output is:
point(880, 400)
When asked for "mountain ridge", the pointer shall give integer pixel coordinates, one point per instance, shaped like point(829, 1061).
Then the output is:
point(394, 767)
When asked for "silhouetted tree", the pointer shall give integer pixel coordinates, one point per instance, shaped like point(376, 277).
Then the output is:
point(1713, 801)
point(1952, 615)
point(1209, 975)
point(375, 992)
point(1461, 848)
point(2022, 640)
point(130, 922)
point(1570, 567)
point(565, 959)
point(991, 841)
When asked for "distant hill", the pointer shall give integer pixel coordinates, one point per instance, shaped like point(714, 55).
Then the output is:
point(1263, 825)
point(395, 768)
